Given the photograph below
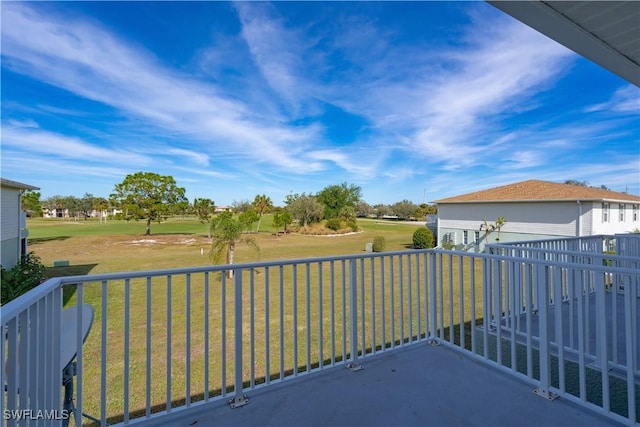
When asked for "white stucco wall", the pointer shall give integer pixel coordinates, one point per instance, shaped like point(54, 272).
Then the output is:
point(531, 220)
point(559, 219)
point(614, 224)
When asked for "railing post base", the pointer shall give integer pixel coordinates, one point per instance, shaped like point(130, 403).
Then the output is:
point(238, 401)
point(546, 394)
point(434, 342)
point(354, 366)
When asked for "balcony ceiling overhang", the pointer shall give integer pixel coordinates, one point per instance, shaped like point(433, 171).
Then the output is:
point(605, 32)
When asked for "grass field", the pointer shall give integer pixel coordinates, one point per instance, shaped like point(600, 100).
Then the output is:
point(91, 247)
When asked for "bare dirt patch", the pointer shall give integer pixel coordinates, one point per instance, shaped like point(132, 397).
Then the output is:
point(163, 240)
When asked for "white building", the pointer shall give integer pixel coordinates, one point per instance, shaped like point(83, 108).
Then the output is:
point(13, 221)
point(534, 210)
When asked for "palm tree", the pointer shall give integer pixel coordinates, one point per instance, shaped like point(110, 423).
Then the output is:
point(226, 232)
point(499, 224)
point(262, 205)
point(488, 228)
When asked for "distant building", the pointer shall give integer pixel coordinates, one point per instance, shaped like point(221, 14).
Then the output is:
point(535, 210)
point(13, 221)
point(55, 213)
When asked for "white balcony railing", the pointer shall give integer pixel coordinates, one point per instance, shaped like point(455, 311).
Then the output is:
point(168, 340)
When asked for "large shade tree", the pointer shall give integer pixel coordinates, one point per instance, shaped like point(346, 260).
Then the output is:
point(148, 195)
point(425, 209)
point(404, 209)
point(382, 210)
point(31, 203)
point(74, 206)
point(363, 209)
point(85, 205)
point(305, 208)
point(337, 197)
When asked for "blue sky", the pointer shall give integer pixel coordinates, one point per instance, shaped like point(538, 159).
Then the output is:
point(416, 100)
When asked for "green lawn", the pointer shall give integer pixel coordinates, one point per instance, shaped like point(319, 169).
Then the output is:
point(47, 228)
point(115, 246)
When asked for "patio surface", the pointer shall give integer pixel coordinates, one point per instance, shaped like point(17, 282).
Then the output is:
point(419, 385)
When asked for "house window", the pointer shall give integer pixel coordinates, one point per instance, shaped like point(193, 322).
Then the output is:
point(605, 212)
point(621, 209)
point(634, 216)
point(465, 237)
point(476, 237)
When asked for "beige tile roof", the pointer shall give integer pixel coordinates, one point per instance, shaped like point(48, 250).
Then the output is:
point(535, 190)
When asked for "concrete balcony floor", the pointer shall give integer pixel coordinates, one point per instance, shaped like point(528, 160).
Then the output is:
point(420, 385)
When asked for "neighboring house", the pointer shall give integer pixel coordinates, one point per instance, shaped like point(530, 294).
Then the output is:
point(55, 213)
point(64, 213)
point(13, 232)
point(535, 210)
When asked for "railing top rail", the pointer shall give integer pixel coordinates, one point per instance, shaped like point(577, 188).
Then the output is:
point(13, 308)
point(560, 239)
point(564, 252)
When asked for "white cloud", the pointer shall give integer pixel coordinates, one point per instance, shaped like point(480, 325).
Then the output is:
point(29, 123)
point(625, 100)
point(281, 54)
point(91, 62)
point(499, 70)
point(197, 158)
point(40, 143)
point(359, 167)
point(43, 169)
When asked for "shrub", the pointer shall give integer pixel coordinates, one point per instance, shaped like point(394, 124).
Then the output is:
point(352, 224)
point(334, 224)
point(24, 276)
point(422, 238)
point(379, 244)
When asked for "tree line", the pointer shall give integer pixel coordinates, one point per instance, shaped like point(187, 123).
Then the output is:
point(152, 197)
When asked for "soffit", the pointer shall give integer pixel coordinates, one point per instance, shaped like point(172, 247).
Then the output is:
point(606, 32)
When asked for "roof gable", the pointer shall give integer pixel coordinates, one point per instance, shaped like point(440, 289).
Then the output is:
point(540, 191)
